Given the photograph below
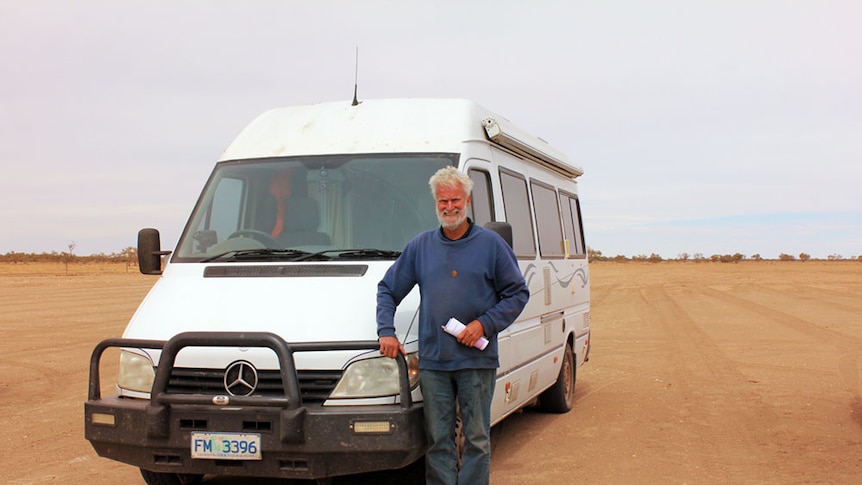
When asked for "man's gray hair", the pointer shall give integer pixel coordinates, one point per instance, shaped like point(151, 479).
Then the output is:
point(450, 177)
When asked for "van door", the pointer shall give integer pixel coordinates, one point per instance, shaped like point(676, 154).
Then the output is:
point(557, 270)
point(526, 340)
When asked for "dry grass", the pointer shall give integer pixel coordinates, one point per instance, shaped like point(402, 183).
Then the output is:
point(63, 269)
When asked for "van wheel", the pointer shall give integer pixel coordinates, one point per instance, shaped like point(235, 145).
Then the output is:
point(560, 398)
point(156, 478)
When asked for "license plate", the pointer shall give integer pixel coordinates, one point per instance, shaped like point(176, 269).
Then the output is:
point(226, 446)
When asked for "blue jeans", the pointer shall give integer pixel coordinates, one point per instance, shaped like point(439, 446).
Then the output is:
point(473, 389)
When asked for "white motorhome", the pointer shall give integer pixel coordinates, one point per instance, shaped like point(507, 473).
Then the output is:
point(255, 352)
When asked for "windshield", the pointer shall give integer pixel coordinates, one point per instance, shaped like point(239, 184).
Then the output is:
point(319, 207)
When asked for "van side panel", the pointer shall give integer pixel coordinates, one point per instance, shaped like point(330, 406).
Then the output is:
point(532, 348)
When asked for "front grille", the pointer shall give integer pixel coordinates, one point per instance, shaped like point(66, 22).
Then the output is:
point(314, 385)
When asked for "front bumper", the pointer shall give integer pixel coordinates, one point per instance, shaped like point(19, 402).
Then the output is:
point(297, 441)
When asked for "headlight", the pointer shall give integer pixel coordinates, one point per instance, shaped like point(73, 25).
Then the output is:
point(375, 378)
point(136, 372)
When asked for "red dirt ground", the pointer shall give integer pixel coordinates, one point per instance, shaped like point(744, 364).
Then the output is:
point(699, 373)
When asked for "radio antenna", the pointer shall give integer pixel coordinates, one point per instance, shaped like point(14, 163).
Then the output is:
point(356, 79)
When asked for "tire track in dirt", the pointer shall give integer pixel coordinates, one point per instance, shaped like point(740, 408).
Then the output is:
point(701, 371)
point(847, 346)
point(815, 296)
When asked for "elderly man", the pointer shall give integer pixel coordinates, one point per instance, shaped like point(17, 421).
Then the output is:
point(471, 274)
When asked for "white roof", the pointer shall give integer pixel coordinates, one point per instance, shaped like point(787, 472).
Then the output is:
point(414, 125)
point(373, 126)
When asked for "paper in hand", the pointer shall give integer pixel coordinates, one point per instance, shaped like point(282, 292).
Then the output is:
point(454, 327)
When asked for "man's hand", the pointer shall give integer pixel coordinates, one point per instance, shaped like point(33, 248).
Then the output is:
point(472, 333)
point(390, 347)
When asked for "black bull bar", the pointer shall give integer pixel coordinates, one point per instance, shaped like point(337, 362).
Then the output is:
point(157, 421)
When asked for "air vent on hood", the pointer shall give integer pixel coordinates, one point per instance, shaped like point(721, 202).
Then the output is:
point(285, 271)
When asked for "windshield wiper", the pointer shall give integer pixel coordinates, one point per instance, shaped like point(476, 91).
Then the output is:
point(365, 253)
point(264, 254)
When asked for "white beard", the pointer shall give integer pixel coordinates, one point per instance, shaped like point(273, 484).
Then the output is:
point(451, 224)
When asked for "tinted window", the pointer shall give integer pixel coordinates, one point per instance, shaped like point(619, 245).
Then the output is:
point(547, 220)
point(517, 207)
point(482, 210)
point(568, 225)
point(579, 231)
point(223, 215)
point(314, 203)
point(572, 223)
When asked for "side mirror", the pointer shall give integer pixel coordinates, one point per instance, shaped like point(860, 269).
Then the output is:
point(150, 251)
point(504, 229)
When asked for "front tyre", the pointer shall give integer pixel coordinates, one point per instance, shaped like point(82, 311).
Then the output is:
point(560, 398)
point(156, 478)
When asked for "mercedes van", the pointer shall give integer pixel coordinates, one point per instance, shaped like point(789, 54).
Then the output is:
point(255, 352)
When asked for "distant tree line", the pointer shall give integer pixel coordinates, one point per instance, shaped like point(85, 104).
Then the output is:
point(596, 255)
point(128, 256)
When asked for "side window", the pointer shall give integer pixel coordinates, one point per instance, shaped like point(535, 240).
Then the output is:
point(482, 209)
point(579, 228)
point(517, 207)
point(547, 220)
point(568, 225)
point(226, 205)
point(217, 218)
point(572, 223)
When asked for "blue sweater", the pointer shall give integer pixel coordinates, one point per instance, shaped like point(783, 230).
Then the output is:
point(475, 277)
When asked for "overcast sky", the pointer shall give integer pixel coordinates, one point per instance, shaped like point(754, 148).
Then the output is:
point(709, 127)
